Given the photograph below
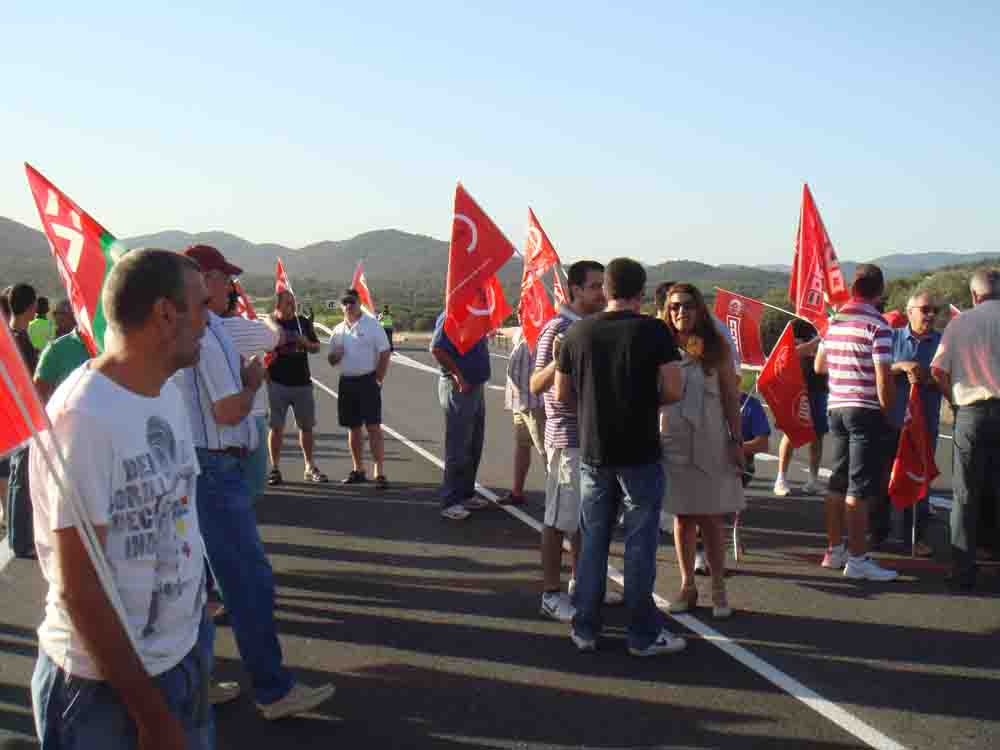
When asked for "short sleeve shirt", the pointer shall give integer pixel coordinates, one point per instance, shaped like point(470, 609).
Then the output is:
point(60, 358)
point(970, 353)
point(291, 365)
point(613, 360)
point(474, 364)
point(855, 342)
point(560, 419)
point(363, 342)
point(908, 347)
point(252, 337)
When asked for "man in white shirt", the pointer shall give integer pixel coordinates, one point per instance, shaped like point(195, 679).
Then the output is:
point(361, 348)
point(123, 429)
point(219, 393)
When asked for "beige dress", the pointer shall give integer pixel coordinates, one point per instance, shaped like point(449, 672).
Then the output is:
point(701, 477)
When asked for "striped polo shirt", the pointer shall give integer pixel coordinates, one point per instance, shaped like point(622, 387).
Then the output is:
point(857, 340)
point(560, 420)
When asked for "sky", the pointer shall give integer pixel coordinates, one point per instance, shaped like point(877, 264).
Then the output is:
point(656, 130)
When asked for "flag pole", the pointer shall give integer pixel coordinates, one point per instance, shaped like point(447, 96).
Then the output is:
point(88, 535)
point(765, 304)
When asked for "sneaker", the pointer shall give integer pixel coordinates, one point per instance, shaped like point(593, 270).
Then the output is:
point(557, 606)
point(476, 503)
point(700, 563)
point(223, 692)
point(298, 700)
point(582, 644)
point(865, 567)
point(355, 477)
point(665, 643)
point(455, 513)
point(835, 558)
point(781, 487)
point(811, 487)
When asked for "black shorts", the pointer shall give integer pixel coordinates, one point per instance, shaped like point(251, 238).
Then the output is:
point(359, 401)
point(859, 438)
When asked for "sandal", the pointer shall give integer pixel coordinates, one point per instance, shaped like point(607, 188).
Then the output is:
point(274, 477)
point(381, 483)
point(685, 600)
point(313, 474)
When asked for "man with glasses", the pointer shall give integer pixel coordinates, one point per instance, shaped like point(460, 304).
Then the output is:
point(289, 384)
point(360, 346)
point(913, 348)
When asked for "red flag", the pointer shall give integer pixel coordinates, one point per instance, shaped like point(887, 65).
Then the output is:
point(955, 312)
point(360, 284)
point(895, 318)
point(15, 383)
point(84, 252)
point(559, 291)
point(478, 250)
point(467, 324)
point(742, 317)
point(816, 279)
point(534, 309)
point(784, 388)
point(281, 283)
point(539, 254)
point(914, 468)
point(243, 305)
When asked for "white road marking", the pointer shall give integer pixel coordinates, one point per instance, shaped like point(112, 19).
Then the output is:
point(410, 362)
point(823, 706)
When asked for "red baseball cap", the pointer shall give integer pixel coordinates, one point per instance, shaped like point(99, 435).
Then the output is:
point(210, 259)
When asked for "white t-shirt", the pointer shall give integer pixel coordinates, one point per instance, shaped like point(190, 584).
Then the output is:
point(132, 460)
point(252, 337)
point(363, 342)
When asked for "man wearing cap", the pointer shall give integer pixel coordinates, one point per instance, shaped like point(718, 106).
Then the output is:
point(219, 394)
point(361, 348)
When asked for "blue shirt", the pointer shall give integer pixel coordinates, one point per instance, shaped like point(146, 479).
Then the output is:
point(753, 420)
point(474, 364)
point(908, 347)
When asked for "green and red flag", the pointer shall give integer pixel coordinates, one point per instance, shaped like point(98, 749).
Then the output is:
point(84, 252)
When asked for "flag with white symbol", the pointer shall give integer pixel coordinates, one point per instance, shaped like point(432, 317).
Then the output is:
point(281, 282)
point(360, 284)
point(84, 252)
point(467, 324)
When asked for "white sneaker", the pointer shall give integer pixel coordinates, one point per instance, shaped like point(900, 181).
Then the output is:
point(835, 558)
point(781, 487)
point(582, 644)
point(476, 503)
point(865, 567)
point(700, 563)
point(558, 607)
point(298, 700)
point(665, 643)
point(811, 487)
point(455, 513)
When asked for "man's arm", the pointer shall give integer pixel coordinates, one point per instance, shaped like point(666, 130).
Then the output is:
point(564, 389)
point(884, 386)
point(106, 641)
point(447, 363)
point(230, 410)
point(943, 380)
point(542, 380)
point(382, 366)
point(819, 364)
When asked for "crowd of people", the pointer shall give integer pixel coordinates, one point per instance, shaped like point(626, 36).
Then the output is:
point(637, 419)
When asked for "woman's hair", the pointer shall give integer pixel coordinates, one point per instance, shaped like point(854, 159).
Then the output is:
point(716, 348)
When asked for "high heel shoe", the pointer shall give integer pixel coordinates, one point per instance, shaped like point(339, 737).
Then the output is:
point(685, 600)
point(720, 603)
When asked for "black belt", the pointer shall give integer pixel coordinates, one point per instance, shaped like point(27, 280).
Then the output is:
point(234, 451)
point(366, 376)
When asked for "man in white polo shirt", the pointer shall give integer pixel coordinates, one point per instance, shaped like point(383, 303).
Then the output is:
point(361, 348)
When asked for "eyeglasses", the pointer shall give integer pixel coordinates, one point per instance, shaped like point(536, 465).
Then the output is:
point(926, 309)
point(678, 306)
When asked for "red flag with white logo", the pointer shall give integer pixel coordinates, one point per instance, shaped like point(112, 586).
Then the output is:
point(534, 309)
point(243, 306)
point(281, 282)
point(466, 324)
point(914, 469)
point(539, 254)
point(478, 250)
point(15, 386)
point(742, 317)
point(84, 252)
point(360, 284)
point(816, 279)
point(783, 386)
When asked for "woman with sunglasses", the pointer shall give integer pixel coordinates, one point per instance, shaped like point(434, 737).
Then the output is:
point(703, 451)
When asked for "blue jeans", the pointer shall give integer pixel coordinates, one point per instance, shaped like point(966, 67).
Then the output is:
point(236, 555)
point(73, 713)
point(20, 526)
point(603, 490)
point(464, 430)
point(975, 481)
point(255, 464)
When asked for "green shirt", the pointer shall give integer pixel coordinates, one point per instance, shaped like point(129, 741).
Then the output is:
point(41, 332)
point(60, 358)
point(386, 320)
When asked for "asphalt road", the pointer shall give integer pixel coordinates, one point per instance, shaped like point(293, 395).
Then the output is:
point(431, 631)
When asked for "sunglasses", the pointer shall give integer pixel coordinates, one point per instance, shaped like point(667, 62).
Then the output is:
point(678, 306)
point(926, 309)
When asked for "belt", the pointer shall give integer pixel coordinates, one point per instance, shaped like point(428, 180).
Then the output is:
point(233, 450)
point(359, 377)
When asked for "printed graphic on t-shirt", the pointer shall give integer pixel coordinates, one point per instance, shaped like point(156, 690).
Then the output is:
point(149, 513)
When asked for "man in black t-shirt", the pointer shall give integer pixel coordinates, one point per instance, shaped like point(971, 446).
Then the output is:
point(290, 385)
point(20, 533)
point(615, 368)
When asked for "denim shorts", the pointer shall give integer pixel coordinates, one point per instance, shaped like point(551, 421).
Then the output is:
point(859, 451)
